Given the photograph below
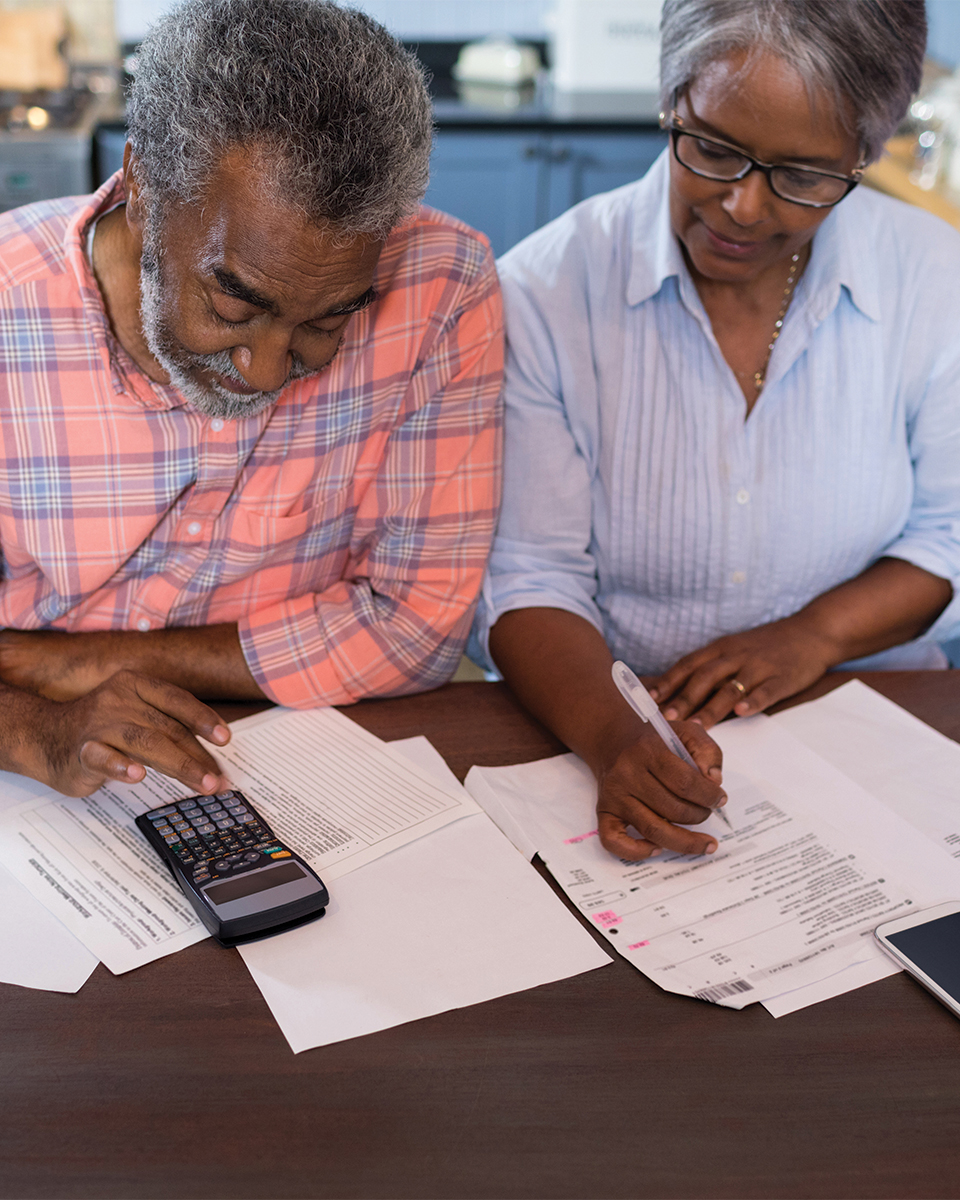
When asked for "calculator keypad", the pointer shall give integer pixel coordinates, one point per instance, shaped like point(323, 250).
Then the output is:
point(216, 835)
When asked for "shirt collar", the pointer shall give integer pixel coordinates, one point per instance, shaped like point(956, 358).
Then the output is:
point(128, 380)
point(841, 256)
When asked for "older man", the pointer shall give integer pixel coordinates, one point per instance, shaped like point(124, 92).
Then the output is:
point(249, 424)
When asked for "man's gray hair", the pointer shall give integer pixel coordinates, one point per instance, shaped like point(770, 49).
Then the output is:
point(867, 55)
point(331, 107)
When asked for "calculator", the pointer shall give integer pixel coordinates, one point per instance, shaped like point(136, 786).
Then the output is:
point(242, 880)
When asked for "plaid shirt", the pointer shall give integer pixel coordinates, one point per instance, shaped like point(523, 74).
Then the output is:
point(345, 529)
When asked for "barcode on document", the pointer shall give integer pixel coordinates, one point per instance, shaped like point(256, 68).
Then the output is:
point(721, 990)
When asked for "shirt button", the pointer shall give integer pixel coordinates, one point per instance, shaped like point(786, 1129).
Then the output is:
point(743, 496)
point(193, 528)
point(738, 577)
point(216, 424)
point(143, 624)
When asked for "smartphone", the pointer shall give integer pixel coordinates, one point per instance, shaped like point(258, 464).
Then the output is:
point(927, 944)
point(243, 882)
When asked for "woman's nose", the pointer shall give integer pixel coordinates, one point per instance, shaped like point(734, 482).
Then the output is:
point(747, 200)
point(265, 362)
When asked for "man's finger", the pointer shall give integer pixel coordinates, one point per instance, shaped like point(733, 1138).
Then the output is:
point(176, 753)
point(192, 713)
point(101, 762)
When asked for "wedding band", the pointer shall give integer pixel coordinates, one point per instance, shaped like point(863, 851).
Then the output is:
point(739, 686)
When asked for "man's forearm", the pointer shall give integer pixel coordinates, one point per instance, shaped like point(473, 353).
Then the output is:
point(206, 661)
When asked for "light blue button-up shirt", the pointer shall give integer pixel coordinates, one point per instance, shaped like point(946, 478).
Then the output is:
point(638, 496)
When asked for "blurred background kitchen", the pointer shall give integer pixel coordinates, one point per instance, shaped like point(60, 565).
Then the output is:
point(539, 103)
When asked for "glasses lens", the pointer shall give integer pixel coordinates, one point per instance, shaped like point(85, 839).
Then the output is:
point(807, 187)
point(709, 159)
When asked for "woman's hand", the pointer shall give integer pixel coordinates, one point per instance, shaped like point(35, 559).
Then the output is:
point(648, 788)
point(745, 673)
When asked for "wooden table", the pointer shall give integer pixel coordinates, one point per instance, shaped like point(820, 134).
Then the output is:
point(174, 1081)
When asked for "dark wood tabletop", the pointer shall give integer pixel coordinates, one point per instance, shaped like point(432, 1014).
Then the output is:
point(174, 1081)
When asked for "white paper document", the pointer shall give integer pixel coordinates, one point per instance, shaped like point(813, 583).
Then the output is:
point(338, 794)
point(891, 753)
point(453, 919)
point(791, 897)
point(36, 950)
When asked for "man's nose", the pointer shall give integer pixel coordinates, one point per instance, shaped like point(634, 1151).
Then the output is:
point(265, 361)
point(747, 200)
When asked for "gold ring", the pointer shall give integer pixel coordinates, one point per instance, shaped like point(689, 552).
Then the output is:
point(739, 686)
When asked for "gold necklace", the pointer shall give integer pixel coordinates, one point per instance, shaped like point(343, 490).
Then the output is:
point(759, 377)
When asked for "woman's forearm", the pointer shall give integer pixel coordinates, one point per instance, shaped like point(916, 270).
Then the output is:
point(558, 666)
point(891, 602)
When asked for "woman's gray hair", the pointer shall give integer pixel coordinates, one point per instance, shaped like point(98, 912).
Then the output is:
point(330, 106)
point(865, 54)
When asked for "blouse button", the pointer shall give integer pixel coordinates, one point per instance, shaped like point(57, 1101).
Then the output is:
point(193, 528)
point(743, 496)
point(216, 424)
point(143, 624)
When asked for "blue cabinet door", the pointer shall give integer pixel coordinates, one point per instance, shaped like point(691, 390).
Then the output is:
point(584, 164)
point(494, 181)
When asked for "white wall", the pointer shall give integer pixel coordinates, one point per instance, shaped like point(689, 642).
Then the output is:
point(425, 20)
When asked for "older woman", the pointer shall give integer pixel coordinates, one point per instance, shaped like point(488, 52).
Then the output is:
point(733, 431)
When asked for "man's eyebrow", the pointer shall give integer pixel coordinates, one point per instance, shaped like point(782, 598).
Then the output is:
point(232, 286)
point(352, 306)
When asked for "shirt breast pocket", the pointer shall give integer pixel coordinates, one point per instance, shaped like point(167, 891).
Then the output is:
point(315, 541)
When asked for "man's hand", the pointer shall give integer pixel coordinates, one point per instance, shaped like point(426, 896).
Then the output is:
point(114, 733)
point(744, 673)
point(648, 788)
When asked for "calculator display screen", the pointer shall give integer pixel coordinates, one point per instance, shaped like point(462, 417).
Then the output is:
point(246, 885)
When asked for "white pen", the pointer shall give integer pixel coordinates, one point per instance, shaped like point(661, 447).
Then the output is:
point(644, 705)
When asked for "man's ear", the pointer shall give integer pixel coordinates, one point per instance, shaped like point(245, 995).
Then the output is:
point(135, 206)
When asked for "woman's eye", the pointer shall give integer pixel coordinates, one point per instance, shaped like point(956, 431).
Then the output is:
point(715, 153)
point(800, 180)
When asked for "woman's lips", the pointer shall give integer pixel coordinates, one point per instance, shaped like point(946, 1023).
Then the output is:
point(733, 249)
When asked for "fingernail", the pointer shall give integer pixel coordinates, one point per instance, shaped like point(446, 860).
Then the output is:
point(654, 693)
point(671, 714)
point(695, 721)
point(742, 708)
point(712, 849)
point(209, 782)
point(654, 853)
point(135, 772)
point(220, 734)
point(715, 774)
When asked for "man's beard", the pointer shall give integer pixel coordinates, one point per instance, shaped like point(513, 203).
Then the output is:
point(180, 363)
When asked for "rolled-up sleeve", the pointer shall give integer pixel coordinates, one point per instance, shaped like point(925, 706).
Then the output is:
point(398, 619)
point(931, 537)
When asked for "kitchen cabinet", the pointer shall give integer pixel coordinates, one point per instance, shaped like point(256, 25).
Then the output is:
point(508, 182)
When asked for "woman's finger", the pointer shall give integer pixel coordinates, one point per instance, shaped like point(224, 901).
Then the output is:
point(759, 698)
point(662, 687)
point(699, 687)
point(615, 838)
point(653, 830)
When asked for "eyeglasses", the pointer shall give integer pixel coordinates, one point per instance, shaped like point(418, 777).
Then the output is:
point(711, 158)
